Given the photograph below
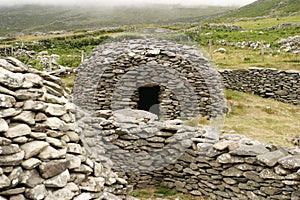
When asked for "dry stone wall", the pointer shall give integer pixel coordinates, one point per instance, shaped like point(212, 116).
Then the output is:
point(228, 166)
point(269, 83)
point(41, 156)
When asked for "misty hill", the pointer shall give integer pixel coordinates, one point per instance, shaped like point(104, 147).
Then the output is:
point(266, 8)
point(33, 18)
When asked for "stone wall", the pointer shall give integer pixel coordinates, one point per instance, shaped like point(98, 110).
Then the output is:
point(41, 156)
point(269, 83)
point(194, 160)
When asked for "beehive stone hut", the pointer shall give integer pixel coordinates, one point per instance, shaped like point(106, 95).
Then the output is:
point(170, 80)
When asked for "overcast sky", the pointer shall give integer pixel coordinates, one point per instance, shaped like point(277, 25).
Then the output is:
point(127, 2)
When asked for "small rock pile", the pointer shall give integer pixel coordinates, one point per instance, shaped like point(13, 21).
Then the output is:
point(225, 26)
point(41, 156)
point(255, 45)
point(290, 44)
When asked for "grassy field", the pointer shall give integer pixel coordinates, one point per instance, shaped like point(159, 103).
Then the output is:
point(265, 120)
point(243, 59)
point(268, 22)
point(163, 193)
point(265, 8)
point(33, 18)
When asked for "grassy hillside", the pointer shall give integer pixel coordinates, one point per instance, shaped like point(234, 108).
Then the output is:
point(265, 8)
point(32, 18)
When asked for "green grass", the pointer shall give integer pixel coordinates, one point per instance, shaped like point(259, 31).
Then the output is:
point(265, 8)
point(163, 192)
point(265, 120)
point(266, 23)
point(244, 58)
point(32, 18)
point(236, 58)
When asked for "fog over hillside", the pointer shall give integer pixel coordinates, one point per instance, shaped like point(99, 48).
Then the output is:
point(127, 2)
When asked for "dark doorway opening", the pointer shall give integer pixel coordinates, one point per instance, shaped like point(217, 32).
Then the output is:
point(149, 99)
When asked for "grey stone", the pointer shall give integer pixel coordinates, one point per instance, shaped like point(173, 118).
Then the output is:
point(222, 145)
point(232, 171)
point(227, 158)
point(230, 181)
point(15, 176)
point(53, 168)
point(60, 180)
point(74, 148)
point(93, 184)
point(250, 150)
point(74, 161)
point(9, 112)
point(17, 130)
point(38, 135)
point(39, 192)
point(270, 190)
point(13, 64)
point(31, 163)
point(31, 178)
point(7, 101)
point(32, 80)
point(55, 142)
point(290, 162)
point(20, 140)
point(33, 148)
point(61, 194)
point(14, 191)
point(4, 181)
point(4, 141)
point(40, 117)
point(51, 153)
point(11, 80)
point(34, 105)
point(73, 136)
point(271, 158)
point(3, 125)
point(269, 174)
point(25, 116)
point(12, 159)
point(55, 110)
point(84, 196)
point(27, 94)
point(106, 195)
point(9, 149)
point(17, 197)
point(253, 176)
point(56, 124)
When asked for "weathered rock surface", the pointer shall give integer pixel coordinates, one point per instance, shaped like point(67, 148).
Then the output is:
point(41, 156)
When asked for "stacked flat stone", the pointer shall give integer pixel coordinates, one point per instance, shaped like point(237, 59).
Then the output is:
point(41, 156)
point(230, 166)
point(136, 141)
point(272, 83)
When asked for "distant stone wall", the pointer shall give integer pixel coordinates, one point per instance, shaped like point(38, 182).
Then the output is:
point(277, 84)
point(202, 163)
point(41, 156)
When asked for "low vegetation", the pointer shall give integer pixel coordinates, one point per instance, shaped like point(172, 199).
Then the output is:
point(265, 120)
point(163, 193)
